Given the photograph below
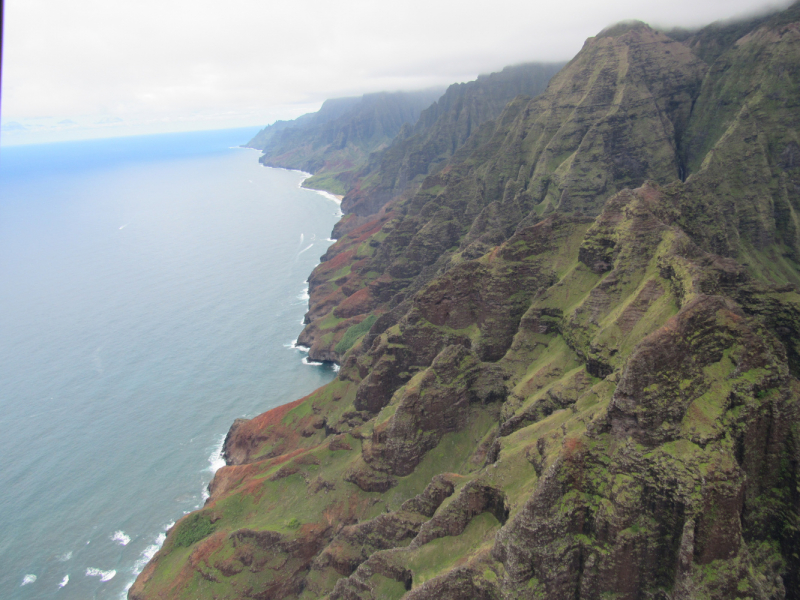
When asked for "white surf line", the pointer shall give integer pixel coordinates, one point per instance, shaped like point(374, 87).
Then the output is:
point(328, 195)
point(215, 459)
point(147, 554)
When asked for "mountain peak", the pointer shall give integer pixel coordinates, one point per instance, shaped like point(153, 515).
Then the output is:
point(623, 27)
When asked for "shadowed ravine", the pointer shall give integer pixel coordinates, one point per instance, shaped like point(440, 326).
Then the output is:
point(568, 348)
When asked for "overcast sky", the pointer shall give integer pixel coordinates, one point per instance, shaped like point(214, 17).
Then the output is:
point(89, 68)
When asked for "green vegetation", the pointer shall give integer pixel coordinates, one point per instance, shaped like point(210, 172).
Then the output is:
point(193, 529)
point(353, 333)
point(585, 321)
point(326, 183)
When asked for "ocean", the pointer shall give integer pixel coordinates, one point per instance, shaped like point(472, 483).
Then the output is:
point(152, 289)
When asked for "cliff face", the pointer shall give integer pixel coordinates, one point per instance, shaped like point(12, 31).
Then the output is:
point(341, 135)
point(569, 357)
point(444, 127)
point(330, 110)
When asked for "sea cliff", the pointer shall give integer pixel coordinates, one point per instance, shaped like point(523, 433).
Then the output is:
point(569, 346)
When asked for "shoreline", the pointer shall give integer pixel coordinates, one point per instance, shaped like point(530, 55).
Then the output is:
point(330, 196)
point(217, 459)
point(335, 197)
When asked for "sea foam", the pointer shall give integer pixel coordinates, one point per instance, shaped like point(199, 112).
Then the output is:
point(215, 459)
point(103, 575)
point(28, 579)
point(121, 538)
point(64, 581)
point(147, 554)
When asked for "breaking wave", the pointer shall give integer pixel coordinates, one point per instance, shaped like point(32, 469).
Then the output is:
point(121, 538)
point(215, 459)
point(103, 575)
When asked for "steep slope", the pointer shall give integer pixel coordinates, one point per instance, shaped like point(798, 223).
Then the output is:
point(330, 110)
point(611, 119)
point(743, 136)
point(444, 127)
point(569, 360)
point(341, 135)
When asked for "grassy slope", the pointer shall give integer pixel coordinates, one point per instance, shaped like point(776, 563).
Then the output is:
point(612, 398)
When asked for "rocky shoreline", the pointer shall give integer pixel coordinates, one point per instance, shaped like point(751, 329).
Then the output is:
point(569, 351)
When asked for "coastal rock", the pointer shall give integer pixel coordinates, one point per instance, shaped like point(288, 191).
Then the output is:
point(569, 349)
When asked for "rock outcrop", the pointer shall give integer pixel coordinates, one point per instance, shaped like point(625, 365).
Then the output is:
point(569, 354)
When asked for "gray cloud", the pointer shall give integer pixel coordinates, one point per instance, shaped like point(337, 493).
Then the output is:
point(176, 64)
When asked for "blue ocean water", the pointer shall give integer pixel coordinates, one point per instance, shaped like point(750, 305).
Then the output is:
point(150, 292)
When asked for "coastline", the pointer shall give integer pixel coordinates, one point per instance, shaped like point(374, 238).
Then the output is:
point(219, 458)
point(335, 197)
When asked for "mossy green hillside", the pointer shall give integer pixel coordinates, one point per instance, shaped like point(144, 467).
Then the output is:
point(569, 357)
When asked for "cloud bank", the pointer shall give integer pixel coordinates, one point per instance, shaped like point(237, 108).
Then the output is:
point(177, 64)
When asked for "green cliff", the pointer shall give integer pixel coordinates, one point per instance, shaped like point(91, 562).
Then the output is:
point(340, 136)
point(444, 127)
point(569, 349)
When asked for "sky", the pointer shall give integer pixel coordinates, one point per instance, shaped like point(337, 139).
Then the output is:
point(99, 68)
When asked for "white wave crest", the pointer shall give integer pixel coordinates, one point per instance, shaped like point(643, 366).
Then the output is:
point(103, 575)
point(312, 363)
point(215, 459)
point(146, 556)
point(329, 196)
point(336, 368)
point(64, 557)
point(295, 346)
point(64, 581)
point(121, 538)
point(304, 295)
point(28, 579)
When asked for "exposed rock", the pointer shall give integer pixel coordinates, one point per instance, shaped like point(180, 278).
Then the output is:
point(569, 351)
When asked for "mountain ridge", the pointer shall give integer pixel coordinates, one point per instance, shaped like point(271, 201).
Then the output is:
point(341, 134)
point(569, 356)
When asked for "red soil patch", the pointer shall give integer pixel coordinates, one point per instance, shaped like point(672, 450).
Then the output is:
point(337, 262)
point(356, 304)
point(362, 232)
point(572, 445)
point(207, 547)
point(270, 418)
